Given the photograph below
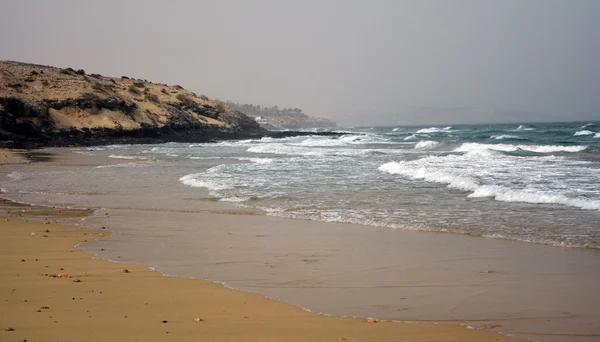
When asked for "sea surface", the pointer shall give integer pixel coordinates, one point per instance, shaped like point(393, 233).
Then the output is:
point(332, 223)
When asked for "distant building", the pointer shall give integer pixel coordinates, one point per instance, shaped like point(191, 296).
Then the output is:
point(260, 120)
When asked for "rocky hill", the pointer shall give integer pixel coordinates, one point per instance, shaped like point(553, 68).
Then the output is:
point(48, 106)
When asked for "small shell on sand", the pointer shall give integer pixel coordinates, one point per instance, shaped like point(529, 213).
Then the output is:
point(33, 233)
point(198, 319)
point(62, 275)
point(372, 320)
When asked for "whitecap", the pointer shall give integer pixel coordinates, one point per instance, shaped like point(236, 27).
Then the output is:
point(588, 125)
point(583, 132)
point(504, 136)
point(477, 147)
point(524, 128)
point(497, 192)
point(426, 144)
point(435, 176)
point(434, 130)
point(597, 135)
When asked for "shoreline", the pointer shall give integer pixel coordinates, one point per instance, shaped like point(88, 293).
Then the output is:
point(85, 297)
point(223, 228)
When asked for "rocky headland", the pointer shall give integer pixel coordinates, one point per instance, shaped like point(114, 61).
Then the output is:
point(49, 106)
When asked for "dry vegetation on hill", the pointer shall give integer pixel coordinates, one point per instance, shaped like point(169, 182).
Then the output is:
point(45, 103)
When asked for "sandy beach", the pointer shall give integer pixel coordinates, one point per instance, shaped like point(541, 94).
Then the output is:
point(53, 292)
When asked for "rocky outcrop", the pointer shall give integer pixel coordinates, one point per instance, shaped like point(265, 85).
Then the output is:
point(48, 106)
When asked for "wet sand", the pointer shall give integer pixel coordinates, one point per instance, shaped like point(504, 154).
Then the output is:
point(534, 291)
point(51, 291)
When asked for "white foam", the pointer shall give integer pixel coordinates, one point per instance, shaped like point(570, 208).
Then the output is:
point(504, 136)
point(457, 179)
point(583, 132)
point(118, 156)
point(597, 135)
point(395, 129)
point(434, 130)
point(16, 175)
point(195, 180)
point(426, 144)
point(524, 128)
point(234, 199)
point(410, 137)
point(132, 164)
point(477, 147)
point(422, 173)
point(503, 194)
point(256, 160)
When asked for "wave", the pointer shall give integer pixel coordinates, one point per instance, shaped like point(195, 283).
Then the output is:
point(435, 130)
point(597, 135)
point(195, 180)
point(132, 164)
point(583, 132)
point(506, 136)
point(524, 128)
point(234, 199)
point(422, 173)
point(410, 137)
point(483, 148)
point(256, 160)
point(503, 194)
point(396, 129)
point(588, 125)
point(497, 192)
point(425, 144)
point(117, 156)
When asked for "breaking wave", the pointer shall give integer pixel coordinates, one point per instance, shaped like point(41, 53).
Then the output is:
point(497, 192)
point(478, 147)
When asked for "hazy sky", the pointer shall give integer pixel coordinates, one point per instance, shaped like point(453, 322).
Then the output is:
point(358, 62)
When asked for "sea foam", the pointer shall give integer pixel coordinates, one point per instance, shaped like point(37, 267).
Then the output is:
point(434, 130)
point(425, 144)
point(524, 128)
point(497, 192)
point(583, 132)
point(505, 136)
point(477, 147)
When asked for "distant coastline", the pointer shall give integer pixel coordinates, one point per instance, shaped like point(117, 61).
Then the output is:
point(43, 106)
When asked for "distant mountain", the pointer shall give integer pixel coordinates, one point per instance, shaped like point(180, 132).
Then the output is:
point(48, 106)
point(275, 118)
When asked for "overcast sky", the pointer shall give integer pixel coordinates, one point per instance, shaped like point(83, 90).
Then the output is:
point(358, 62)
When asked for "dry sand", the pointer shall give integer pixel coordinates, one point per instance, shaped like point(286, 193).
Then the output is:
point(100, 301)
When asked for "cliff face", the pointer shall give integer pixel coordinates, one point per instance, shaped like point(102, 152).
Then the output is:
point(47, 106)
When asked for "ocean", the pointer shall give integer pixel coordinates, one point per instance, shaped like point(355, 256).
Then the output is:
point(538, 183)
point(336, 224)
